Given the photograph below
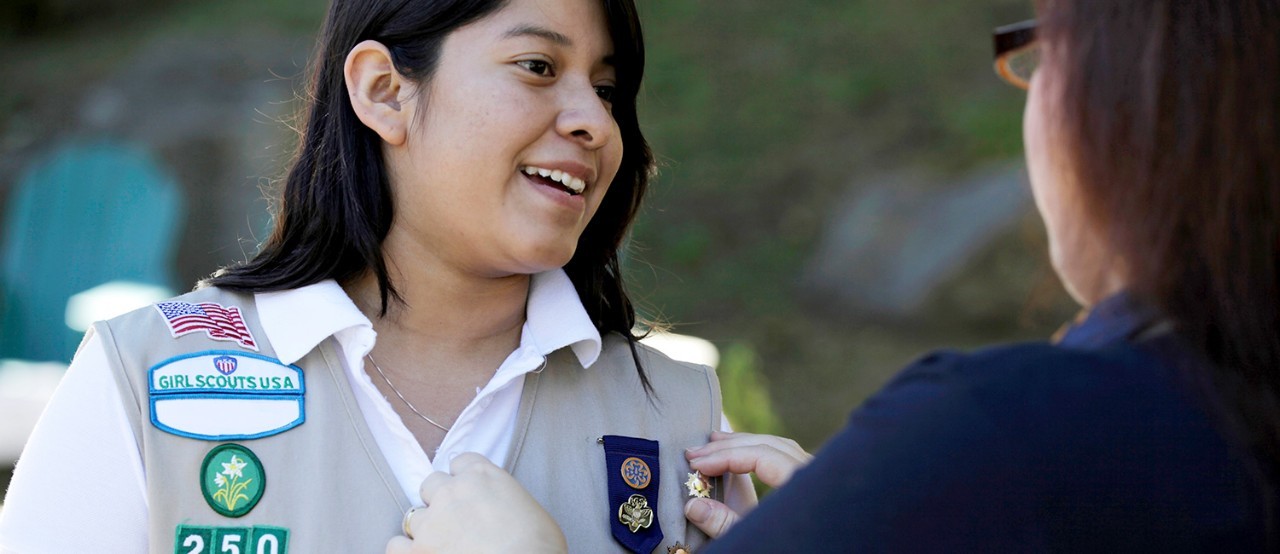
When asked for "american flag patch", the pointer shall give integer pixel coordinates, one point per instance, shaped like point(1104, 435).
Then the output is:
point(217, 321)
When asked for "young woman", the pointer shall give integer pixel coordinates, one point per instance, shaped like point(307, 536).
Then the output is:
point(1151, 133)
point(443, 277)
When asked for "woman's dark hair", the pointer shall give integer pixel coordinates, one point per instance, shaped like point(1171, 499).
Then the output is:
point(1171, 118)
point(336, 205)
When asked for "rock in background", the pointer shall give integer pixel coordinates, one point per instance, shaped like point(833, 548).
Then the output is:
point(892, 243)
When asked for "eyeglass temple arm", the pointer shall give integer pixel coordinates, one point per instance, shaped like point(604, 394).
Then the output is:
point(1013, 36)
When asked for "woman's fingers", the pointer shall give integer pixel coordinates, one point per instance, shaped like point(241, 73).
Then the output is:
point(713, 518)
point(399, 544)
point(772, 466)
point(469, 462)
point(721, 441)
point(773, 459)
point(470, 509)
point(431, 486)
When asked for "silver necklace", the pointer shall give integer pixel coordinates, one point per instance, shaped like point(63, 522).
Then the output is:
point(402, 398)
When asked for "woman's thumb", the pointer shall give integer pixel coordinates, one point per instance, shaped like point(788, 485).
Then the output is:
point(712, 517)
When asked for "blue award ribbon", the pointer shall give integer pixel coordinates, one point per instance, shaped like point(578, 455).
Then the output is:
point(632, 468)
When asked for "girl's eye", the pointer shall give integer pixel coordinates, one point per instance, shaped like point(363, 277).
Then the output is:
point(537, 66)
point(605, 92)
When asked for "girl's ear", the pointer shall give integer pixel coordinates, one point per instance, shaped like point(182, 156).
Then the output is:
point(375, 89)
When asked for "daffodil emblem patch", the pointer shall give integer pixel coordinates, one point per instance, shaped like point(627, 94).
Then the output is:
point(232, 479)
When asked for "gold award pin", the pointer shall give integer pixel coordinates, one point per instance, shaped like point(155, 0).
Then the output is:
point(698, 485)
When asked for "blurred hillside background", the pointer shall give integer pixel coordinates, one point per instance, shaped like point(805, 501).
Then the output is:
point(841, 186)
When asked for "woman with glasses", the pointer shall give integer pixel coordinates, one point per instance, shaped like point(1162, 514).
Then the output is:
point(1152, 135)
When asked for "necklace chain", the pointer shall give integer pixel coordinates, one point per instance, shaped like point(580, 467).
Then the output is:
point(402, 398)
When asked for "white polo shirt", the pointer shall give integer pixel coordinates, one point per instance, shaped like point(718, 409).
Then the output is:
point(80, 485)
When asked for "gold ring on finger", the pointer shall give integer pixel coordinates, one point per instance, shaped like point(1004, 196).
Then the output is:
point(404, 525)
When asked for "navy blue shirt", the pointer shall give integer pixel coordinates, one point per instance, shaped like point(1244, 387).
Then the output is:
point(1096, 444)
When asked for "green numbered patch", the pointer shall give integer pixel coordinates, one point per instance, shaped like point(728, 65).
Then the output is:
point(231, 540)
point(232, 480)
point(259, 539)
point(270, 540)
point(193, 540)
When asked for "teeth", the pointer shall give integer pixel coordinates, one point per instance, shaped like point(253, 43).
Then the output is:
point(569, 181)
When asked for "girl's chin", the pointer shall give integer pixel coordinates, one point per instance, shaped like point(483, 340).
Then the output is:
point(542, 260)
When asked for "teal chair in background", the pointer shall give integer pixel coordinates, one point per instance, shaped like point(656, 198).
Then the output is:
point(87, 214)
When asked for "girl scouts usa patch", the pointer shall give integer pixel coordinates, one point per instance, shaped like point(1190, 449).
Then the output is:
point(232, 480)
point(226, 395)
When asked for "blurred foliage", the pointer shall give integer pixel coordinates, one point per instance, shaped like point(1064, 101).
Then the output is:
point(746, 397)
point(745, 392)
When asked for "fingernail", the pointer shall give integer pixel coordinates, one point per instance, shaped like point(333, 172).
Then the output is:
point(697, 510)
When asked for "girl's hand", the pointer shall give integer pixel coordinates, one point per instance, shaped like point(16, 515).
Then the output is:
point(477, 507)
point(772, 459)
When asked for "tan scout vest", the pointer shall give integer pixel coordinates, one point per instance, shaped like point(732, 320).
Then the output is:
point(329, 485)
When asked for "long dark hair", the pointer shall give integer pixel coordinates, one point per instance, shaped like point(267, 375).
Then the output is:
point(1172, 127)
point(335, 208)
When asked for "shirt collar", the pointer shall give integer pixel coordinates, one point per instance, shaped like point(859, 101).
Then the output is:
point(1118, 317)
point(555, 318)
point(297, 320)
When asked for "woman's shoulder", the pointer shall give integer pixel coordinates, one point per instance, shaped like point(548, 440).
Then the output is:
point(1064, 406)
point(1037, 439)
point(1046, 401)
point(1034, 443)
point(1040, 371)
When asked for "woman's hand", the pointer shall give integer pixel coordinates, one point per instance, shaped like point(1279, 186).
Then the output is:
point(477, 508)
point(772, 459)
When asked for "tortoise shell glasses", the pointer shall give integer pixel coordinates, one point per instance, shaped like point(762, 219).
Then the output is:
point(1017, 53)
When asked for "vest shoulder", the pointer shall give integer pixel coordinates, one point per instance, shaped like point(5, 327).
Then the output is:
point(203, 319)
point(661, 370)
point(223, 297)
point(615, 347)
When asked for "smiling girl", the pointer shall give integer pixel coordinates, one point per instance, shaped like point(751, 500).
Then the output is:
point(443, 278)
